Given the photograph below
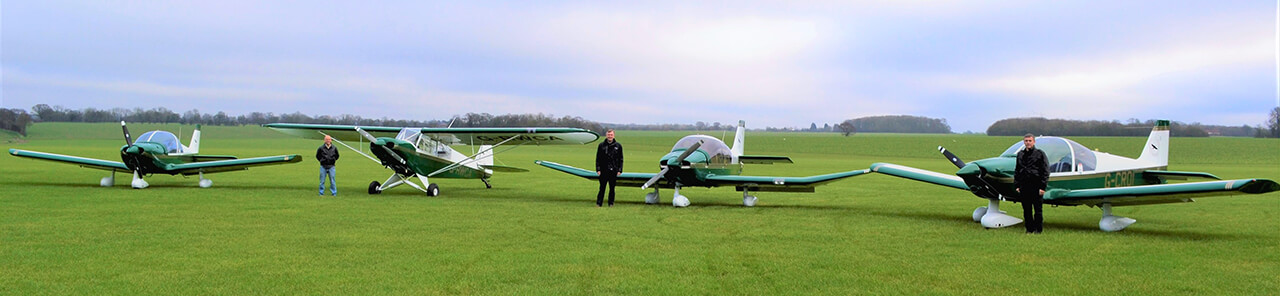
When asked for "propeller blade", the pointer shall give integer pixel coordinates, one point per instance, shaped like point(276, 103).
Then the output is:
point(365, 134)
point(655, 178)
point(689, 151)
point(128, 140)
point(952, 157)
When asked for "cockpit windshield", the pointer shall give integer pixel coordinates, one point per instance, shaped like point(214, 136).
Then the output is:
point(1064, 155)
point(170, 142)
point(409, 135)
point(715, 148)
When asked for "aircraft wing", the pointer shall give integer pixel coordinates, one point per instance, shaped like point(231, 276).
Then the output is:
point(626, 179)
point(1157, 194)
point(919, 175)
point(340, 132)
point(781, 184)
point(76, 160)
point(231, 164)
point(511, 135)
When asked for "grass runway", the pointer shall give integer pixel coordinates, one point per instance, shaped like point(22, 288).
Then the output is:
point(265, 230)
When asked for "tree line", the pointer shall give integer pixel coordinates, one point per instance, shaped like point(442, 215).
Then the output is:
point(16, 120)
point(1065, 127)
point(894, 124)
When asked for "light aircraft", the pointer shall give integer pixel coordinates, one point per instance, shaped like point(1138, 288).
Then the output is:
point(1079, 176)
point(704, 161)
point(425, 152)
point(159, 152)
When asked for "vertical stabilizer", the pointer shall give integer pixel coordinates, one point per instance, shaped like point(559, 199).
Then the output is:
point(738, 139)
point(195, 141)
point(485, 157)
point(1157, 149)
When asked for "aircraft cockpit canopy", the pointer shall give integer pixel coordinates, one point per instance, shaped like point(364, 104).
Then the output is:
point(409, 135)
point(1064, 155)
point(170, 142)
point(715, 148)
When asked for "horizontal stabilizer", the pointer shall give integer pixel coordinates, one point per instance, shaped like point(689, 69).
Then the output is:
point(503, 168)
point(763, 159)
point(1172, 175)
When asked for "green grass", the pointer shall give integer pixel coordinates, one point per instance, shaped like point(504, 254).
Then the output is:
point(264, 231)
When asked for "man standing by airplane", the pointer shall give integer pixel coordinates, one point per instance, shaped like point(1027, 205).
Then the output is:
point(1031, 176)
point(327, 155)
point(608, 166)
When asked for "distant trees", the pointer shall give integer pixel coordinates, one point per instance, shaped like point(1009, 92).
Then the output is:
point(486, 119)
point(1273, 122)
point(898, 124)
point(15, 120)
point(846, 128)
point(1065, 127)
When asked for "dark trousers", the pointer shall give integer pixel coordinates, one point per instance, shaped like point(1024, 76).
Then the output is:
point(1032, 204)
point(610, 178)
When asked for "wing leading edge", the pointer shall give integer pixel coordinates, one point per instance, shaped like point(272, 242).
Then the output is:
point(231, 164)
point(461, 135)
point(781, 184)
point(919, 175)
point(625, 179)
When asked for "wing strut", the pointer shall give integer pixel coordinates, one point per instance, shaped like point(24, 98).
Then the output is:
point(352, 149)
point(471, 158)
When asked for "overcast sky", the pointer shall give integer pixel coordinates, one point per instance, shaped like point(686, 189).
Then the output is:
point(772, 63)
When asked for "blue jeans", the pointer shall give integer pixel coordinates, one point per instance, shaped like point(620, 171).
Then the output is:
point(333, 183)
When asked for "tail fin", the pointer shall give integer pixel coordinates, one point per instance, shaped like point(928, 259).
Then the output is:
point(195, 141)
point(485, 157)
point(738, 146)
point(1157, 149)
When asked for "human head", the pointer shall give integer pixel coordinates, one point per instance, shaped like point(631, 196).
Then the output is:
point(608, 135)
point(1029, 141)
point(328, 141)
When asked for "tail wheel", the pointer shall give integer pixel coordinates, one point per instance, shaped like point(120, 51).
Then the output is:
point(373, 187)
point(433, 190)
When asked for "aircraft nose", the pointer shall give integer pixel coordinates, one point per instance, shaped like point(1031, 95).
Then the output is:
point(970, 169)
point(133, 149)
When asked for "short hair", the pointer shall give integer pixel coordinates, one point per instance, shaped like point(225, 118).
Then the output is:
point(1028, 135)
point(608, 131)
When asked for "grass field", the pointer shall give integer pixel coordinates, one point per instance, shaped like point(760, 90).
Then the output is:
point(265, 231)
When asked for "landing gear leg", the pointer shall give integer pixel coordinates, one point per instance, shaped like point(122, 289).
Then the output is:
point(679, 200)
point(652, 197)
point(1110, 223)
point(205, 183)
point(486, 183)
point(748, 199)
point(995, 218)
point(108, 181)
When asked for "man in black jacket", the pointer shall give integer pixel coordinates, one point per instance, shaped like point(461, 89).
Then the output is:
point(608, 166)
point(1031, 176)
point(327, 155)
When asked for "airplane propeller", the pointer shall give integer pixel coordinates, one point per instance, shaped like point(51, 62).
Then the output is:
point(665, 168)
point(372, 139)
point(952, 157)
point(128, 140)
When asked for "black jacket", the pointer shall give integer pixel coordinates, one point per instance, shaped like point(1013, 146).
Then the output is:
point(1032, 169)
point(609, 157)
point(327, 155)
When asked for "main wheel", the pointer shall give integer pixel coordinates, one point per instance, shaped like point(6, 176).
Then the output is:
point(373, 187)
point(433, 190)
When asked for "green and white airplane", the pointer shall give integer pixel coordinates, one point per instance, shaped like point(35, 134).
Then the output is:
point(159, 152)
point(1079, 176)
point(704, 161)
point(426, 153)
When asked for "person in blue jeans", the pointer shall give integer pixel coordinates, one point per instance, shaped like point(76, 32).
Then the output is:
point(327, 155)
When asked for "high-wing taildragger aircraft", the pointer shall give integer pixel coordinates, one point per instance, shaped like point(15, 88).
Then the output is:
point(1079, 176)
point(425, 153)
point(705, 161)
point(159, 152)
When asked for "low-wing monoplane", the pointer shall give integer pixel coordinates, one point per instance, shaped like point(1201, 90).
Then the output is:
point(1079, 176)
point(160, 152)
point(704, 161)
point(426, 153)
